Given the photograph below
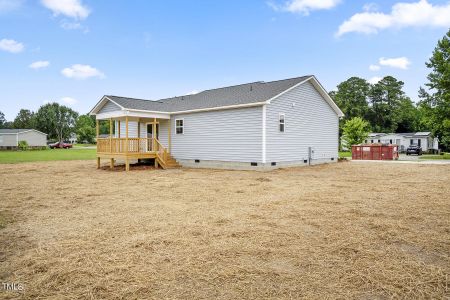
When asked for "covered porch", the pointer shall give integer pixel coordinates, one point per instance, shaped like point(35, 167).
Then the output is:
point(135, 136)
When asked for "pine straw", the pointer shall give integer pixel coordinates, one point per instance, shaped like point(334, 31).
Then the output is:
point(346, 230)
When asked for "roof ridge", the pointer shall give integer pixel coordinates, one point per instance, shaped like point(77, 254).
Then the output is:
point(298, 77)
point(130, 98)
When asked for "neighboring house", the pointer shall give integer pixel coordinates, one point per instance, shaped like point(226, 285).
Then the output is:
point(73, 138)
point(255, 125)
point(10, 138)
point(403, 140)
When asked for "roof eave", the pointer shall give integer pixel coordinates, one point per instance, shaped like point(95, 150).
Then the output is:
point(99, 104)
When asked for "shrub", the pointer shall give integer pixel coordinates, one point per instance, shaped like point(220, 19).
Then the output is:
point(23, 145)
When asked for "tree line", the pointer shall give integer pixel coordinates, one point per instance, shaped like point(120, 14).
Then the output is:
point(59, 122)
point(384, 107)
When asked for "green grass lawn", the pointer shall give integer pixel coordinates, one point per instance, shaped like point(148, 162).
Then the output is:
point(426, 156)
point(345, 154)
point(46, 155)
point(83, 145)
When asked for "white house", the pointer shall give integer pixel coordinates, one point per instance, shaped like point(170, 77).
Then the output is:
point(403, 140)
point(10, 138)
point(288, 122)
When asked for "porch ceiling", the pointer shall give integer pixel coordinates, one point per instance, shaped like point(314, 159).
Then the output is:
point(122, 114)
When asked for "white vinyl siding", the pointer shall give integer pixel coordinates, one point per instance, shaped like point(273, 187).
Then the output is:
point(33, 138)
point(132, 129)
point(9, 140)
point(109, 107)
point(224, 135)
point(309, 122)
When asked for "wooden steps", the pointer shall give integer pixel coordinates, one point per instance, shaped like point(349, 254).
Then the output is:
point(169, 163)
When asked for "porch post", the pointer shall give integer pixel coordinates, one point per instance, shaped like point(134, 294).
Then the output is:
point(127, 162)
point(154, 141)
point(97, 129)
point(170, 137)
point(126, 134)
point(154, 134)
point(110, 135)
point(139, 136)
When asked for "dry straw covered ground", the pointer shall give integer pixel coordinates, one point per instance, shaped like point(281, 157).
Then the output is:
point(347, 230)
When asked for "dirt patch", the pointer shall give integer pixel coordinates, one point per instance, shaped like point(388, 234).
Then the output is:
point(370, 231)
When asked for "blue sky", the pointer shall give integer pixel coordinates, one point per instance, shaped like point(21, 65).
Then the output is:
point(75, 51)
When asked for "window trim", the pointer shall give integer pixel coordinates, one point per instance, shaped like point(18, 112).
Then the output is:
point(176, 132)
point(281, 123)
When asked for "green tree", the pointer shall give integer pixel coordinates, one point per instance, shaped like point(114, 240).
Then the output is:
point(408, 116)
point(2, 120)
point(387, 99)
point(437, 102)
point(355, 131)
point(58, 121)
point(85, 129)
point(24, 119)
point(351, 97)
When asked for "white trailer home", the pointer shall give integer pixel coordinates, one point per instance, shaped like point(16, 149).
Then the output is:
point(403, 140)
point(10, 138)
point(274, 124)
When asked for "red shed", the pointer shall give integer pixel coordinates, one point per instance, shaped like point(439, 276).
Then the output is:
point(375, 152)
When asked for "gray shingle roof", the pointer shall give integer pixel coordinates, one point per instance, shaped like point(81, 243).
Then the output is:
point(233, 95)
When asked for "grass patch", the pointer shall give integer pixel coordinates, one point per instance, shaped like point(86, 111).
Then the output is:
point(46, 155)
point(5, 219)
point(445, 156)
point(345, 154)
point(83, 145)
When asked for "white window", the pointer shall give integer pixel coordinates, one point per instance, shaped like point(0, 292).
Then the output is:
point(282, 122)
point(179, 126)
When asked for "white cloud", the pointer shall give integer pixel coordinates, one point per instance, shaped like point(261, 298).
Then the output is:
point(370, 7)
point(399, 62)
point(417, 14)
point(11, 46)
point(70, 8)
point(193, 92)
point(82, 72)
point(9, 5)
point(67, 25)
point(374, 80)
point(68, 100)
point(70, 25)
point(39, 64)
point(374, 67)
point(305, 6)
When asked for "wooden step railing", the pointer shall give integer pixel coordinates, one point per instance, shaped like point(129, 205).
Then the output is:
point(161, 152)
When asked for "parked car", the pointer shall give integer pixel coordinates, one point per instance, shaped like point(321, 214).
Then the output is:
point(414, 149)
point(61, 145)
